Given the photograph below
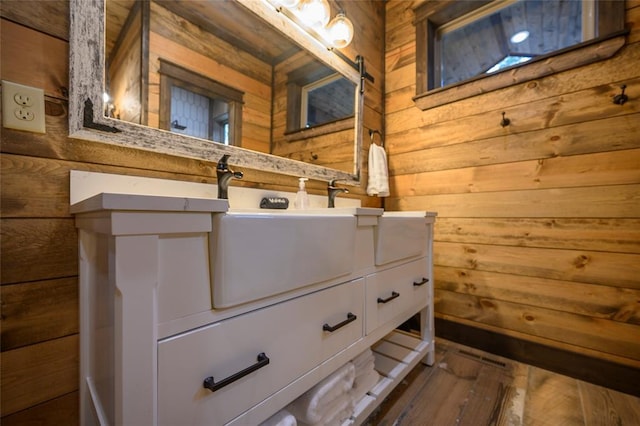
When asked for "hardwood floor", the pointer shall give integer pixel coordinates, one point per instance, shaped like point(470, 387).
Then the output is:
point(467, 386)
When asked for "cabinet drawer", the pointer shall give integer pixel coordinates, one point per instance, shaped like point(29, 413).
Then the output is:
point(290, 335)
point(394, 291)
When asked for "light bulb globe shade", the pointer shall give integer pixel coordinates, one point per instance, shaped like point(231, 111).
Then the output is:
point(340, 31)
point(315, 13)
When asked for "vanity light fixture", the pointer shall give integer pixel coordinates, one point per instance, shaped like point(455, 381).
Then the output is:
point(340, 31)
point(313, 17)
point(314, 13)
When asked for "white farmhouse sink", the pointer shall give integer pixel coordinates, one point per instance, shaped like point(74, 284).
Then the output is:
point(399, 235)
point(288, 250)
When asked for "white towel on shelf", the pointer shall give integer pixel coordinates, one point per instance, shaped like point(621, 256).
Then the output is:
point(378, 172)
point(311, 406)
point(363, 360)
point(281, 418)
point(336, 412)
point(364, 383)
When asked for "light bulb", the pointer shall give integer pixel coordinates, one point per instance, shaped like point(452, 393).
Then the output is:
point(315, 13)
point(340, 31)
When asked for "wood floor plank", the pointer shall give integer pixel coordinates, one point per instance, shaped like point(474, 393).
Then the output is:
point(552, 400)
point(444, 397)
point(401, 396)
point(468, 386)
point(604, 406)
point(487, 397)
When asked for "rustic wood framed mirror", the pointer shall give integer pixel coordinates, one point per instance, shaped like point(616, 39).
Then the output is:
point(303, 151)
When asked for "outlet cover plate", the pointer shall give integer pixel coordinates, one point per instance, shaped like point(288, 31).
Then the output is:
point(22, 107)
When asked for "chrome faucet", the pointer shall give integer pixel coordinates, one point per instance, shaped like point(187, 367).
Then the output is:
point(224, 175)
point(333, 190)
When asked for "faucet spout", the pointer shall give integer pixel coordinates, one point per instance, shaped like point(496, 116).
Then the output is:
point(224, 175)
point(333, 191)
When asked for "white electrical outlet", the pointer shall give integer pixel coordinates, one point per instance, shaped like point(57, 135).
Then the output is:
point(22, 107)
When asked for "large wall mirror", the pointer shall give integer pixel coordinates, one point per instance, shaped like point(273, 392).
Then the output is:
point(205, 78)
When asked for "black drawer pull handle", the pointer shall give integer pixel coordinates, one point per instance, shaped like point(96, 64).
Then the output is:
point(213, 386)
point(424, 281)
point(390, 298)
point(331, 329)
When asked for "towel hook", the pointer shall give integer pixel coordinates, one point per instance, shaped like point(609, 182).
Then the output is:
point(372, 132)
point(621, 98)
point(505, 121)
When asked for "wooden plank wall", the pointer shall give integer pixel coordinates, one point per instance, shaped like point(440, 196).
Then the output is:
point(538, 230)
point(39, 292)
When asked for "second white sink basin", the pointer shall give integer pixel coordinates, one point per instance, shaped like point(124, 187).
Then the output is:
point(399, 235)
point(287, 251)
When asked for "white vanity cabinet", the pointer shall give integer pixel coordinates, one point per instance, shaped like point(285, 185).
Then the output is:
point(155, 351)
point(396, 293)
point(293, 335)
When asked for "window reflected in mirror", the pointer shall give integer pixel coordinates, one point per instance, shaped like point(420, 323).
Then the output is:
point(194, 105)
point(326, 100)
point(317, 96)
point(199, 116)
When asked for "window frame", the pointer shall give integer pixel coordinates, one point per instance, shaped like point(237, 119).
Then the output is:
point(431, 15)
point(296, 81)
point(175, 75)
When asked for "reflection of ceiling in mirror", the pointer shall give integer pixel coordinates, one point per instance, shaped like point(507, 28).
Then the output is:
point(227, 20)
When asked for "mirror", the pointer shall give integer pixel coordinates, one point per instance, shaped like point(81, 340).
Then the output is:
point(260, 82)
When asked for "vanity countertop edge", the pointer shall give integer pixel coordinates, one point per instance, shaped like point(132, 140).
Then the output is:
point(135, 202)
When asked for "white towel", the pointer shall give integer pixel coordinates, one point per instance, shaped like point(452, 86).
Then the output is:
point(364, 383)
point(363, 360)
point(311, 406)
point(281, 418)
point(336, 412)
point(378, 172)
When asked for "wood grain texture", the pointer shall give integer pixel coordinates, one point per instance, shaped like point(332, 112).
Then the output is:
point(503, 392)
point(59, 411)
point(50, 17)
point(43, 59)
point(527, 347)
point(613, 337)
point(38, 311)
point(39, 373)
point(612, 235)
point(611, 269)
point(608, 407)
point(552, 400)
point(602, 168)
point(620, 201)
point(457, 374)
point(38, 249)
point(597, 301)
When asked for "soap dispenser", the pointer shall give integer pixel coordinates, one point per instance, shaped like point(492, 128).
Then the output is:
point(302, 198)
